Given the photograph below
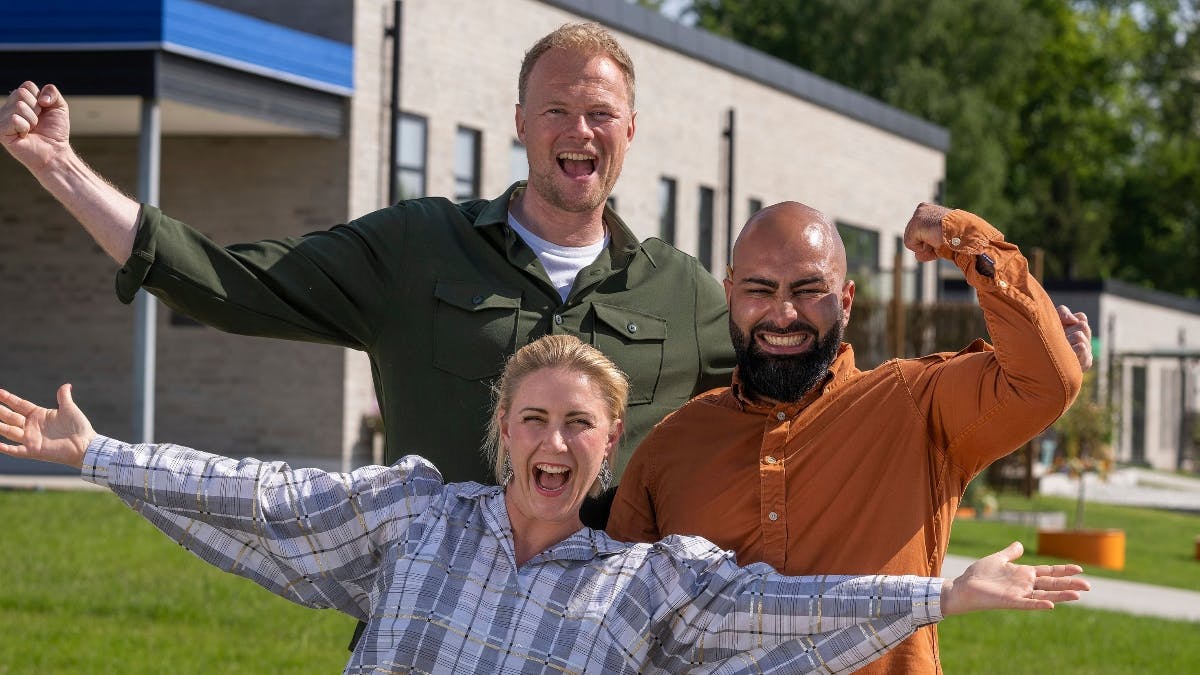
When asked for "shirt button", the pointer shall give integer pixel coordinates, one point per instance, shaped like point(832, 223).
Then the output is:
point(477, 300)
point(781, 416)
point(1002, 283)
point(558, 319)
point(955, 241)
point(632, 328)
point(770, 459)
point(773, 516)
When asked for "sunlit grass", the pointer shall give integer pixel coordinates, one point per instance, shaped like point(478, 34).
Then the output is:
point(90, 587)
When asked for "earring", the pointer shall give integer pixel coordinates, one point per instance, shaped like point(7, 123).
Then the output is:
point(605, 476)
point(506, 470)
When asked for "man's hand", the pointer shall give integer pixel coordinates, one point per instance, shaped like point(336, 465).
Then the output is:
point(1079, 335)
point(60, 436)
point(923, 234)
point(35, 125)
point(995, 582)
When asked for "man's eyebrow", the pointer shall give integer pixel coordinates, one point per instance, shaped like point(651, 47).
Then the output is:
point(760, 281)
point(807, 281)
point(772, 283)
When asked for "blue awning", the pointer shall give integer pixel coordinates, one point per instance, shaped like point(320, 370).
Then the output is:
point(184, 27)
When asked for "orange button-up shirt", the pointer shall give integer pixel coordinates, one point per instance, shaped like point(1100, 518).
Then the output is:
point(864, 474)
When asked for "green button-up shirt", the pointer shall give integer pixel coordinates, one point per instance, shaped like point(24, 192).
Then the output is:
point(439, 295)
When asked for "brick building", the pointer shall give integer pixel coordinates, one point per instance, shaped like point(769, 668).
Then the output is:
point(276, 120)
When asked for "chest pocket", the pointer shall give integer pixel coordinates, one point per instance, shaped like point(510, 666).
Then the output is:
point(634, 341)
point(475, 328)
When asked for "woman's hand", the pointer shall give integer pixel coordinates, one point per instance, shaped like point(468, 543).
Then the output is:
point(61, 436)
point(995, 582)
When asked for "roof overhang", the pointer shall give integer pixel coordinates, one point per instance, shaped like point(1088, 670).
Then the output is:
point(214, 71)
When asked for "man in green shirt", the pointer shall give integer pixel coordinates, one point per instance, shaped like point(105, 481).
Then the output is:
point(439, 294)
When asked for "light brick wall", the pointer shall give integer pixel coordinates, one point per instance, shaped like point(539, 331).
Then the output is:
point(461, 60)
point(242, 396)
point(460, 65)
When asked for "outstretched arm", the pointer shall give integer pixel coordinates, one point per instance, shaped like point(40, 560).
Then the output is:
point(35, 128)
point(995, 582)
point(60, 436)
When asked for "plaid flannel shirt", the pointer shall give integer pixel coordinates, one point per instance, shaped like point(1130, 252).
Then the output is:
point(431, 568)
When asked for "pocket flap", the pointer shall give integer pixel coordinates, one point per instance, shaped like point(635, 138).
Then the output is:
point(475, 296)
point(631, 324)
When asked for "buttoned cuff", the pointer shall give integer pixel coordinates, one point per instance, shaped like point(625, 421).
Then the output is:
point(988, 262)
point(927, 600)
point(97, 458)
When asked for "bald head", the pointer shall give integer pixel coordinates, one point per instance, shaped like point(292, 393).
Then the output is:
point(794, 231)
point(789, 301)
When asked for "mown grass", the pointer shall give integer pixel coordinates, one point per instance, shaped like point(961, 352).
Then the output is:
point(1159, 545)
point(1159, 550)
point(1067, 641)
point(89, 587)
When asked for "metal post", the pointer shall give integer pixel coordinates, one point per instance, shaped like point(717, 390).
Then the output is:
point(730, 136)
point(394, 32)
point(145, 307)
point(899, 320)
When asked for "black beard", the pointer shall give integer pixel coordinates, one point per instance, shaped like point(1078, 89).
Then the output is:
point(784, 379)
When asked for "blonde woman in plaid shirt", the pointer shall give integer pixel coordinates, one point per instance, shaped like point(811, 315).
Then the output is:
point(468, 578)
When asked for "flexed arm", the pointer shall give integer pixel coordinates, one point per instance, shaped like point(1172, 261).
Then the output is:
point(984, 402)
point(35, 128)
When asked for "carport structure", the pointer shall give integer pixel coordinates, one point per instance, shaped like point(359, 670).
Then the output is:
point(175, 67)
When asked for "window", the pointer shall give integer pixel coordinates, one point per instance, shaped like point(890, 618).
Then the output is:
point(666, 209)
point(467, 162)
point(704, 250)
point(518, 162)
point(862, 258)
point(410, 165)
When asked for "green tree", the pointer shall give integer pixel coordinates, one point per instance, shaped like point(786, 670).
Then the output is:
point(1073, 123)
point(1156, 234)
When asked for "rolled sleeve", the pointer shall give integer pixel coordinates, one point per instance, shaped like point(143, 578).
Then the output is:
point(133, 273)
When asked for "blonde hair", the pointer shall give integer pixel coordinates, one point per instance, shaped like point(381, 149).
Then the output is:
point(564, 352)
point(581, 38)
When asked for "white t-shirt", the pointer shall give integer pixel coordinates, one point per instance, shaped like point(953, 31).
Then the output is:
point(562, 263)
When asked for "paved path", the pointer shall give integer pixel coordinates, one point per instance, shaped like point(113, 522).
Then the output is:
point(1129, 487)
point(1121, 596)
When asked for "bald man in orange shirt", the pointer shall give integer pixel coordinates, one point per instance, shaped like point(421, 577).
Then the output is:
point(811, 465)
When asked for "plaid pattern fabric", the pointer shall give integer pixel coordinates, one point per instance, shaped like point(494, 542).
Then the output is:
point(431, 568)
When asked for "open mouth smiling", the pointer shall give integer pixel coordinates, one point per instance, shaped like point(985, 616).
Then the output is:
point(787, 342)
point(551, 477)
point(577, 164)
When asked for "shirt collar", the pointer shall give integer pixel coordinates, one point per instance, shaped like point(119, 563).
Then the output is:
point(839, 372)
point(584, 544)
point(623, 242)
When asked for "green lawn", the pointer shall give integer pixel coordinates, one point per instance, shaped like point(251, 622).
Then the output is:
point(89, 587)
point(1159, 549)
point(1159, 545)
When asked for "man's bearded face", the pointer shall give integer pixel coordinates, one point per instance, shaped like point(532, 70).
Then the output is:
point(785, 379)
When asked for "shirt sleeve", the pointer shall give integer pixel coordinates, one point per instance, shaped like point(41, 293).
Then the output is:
point(632, 515)
point(712, 334)
point(313, 537)
point(985, 401)
point(715, 610)
point(321, 287)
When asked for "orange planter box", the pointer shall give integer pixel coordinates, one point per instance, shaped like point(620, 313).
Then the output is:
point(1104, 548)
